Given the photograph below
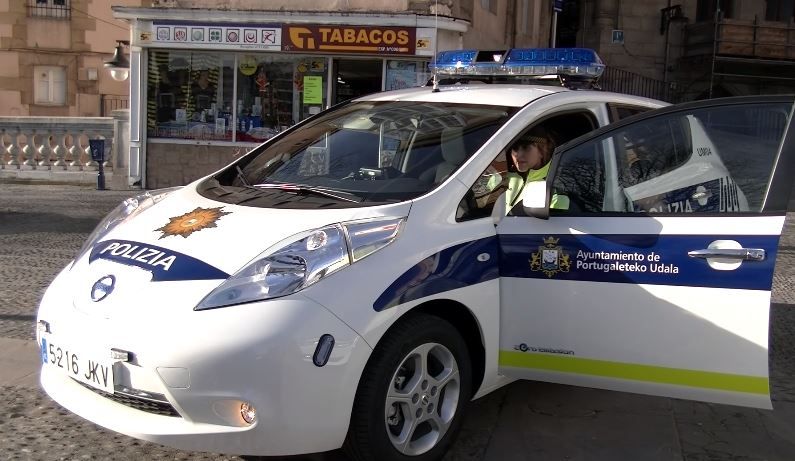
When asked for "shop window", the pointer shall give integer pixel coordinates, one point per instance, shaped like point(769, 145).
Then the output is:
point(275, 92)
point(190, 95)
point(229, 97)
point(56, 9)
point(49, 85)
point(250, 97)
point(406, 74)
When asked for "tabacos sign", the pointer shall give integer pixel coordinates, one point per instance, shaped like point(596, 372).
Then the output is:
point(349, 39)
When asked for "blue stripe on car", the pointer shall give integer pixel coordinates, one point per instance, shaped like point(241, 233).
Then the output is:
point(637, 259)
point(611, 258)
point(455, 267)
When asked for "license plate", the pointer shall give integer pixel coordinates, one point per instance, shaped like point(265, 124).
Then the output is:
point(83, 367)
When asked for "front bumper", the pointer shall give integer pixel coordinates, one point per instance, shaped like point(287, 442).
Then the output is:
point(205, 364)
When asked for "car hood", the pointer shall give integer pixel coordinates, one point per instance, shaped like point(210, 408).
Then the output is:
point(189, 238)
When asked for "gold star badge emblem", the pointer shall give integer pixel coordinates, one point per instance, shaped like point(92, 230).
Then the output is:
point(194, 221)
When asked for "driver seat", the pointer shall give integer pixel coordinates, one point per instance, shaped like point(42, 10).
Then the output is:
point(453, 154)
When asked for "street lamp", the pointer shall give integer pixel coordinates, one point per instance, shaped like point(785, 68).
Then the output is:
point(119, 65)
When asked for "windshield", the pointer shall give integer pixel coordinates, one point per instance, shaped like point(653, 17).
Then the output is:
point(362, 153)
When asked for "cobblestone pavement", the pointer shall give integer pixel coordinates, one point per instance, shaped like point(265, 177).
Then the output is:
point(43, 226)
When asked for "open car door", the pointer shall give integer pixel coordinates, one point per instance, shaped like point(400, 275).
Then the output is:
point(657, 277)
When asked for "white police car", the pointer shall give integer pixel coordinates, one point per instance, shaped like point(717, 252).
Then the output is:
point(355, 281)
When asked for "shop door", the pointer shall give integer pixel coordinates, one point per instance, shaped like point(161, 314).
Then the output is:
point(356, 77)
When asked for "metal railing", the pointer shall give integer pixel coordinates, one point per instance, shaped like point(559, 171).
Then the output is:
point(623, 81)
point(51, 9)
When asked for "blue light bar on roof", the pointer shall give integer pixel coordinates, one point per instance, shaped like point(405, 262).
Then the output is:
point(529, 62)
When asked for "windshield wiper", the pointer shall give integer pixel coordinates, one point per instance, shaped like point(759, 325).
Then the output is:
point(305, 188)
point(241, 176)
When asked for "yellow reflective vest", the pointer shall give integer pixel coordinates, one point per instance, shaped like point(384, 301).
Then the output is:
point(516, 183)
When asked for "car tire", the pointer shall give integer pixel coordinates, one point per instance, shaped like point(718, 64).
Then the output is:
point(413, 393)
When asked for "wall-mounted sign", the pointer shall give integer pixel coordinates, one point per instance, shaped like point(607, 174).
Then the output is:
point(423, 43)
point(618, 36)
point(350, 39)
point(248, 65)
point(218, 36)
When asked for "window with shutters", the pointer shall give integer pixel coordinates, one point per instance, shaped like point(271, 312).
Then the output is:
point(50, 85)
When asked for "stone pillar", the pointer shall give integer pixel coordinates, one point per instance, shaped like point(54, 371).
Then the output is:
point(121, 148)
point(60, 150)
point(605, 13)
point(44, 149)
point(605, 17)
point(13, 150)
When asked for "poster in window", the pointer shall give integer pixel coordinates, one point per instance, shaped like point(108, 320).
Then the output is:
point(313, 89)
point(401, 74)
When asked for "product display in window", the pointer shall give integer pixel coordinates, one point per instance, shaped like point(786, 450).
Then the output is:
point(250, 97)
point(269, 99)
point(189, 96)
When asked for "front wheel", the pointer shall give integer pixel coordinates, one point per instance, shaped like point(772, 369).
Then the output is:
point(412, 395)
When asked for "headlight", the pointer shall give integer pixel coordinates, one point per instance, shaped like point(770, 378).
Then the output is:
point(303, 260)
point(126, 210)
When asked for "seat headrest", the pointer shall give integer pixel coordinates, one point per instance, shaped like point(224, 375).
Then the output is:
point(453, 148)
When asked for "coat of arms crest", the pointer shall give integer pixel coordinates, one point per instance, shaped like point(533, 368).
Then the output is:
point(550, 258)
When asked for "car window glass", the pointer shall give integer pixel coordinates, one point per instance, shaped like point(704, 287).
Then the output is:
point(647, 150)
point(490, 186)
point(710, 160)
point(493, 182)
point(371, 152)
point(620, 111)
point(581, 178)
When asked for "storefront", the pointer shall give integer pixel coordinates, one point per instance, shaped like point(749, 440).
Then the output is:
point(205, 91)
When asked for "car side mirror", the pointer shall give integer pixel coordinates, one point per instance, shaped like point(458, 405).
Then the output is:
point(535, 200)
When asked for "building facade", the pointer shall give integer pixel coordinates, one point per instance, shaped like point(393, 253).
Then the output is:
point(52, 53)
point(694, 49)
point(211, 79)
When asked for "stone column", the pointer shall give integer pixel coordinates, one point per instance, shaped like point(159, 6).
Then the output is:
point(60, 149)
point(605, 13)
point(13, 149)
point(44, 149)
point(121, 150)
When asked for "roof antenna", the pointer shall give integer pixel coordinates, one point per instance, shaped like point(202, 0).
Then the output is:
point(436, 48)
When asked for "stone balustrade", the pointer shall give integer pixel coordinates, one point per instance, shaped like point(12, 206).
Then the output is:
point(54, 148)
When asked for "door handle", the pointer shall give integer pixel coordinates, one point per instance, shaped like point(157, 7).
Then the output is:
point(742, 254)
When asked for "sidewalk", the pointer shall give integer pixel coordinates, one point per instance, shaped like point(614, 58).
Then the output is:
point(19, 362)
